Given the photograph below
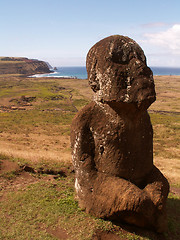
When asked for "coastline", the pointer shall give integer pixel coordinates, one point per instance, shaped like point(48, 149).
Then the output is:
point(81, 73)
point(50, 76)
point(72, 77)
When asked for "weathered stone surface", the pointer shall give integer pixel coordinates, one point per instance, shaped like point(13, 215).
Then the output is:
point(112, 139)
point(117, 71)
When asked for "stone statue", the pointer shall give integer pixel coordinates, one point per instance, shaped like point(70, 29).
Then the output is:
point(112, 139)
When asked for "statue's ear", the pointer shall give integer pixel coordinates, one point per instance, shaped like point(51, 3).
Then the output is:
point(92, 73)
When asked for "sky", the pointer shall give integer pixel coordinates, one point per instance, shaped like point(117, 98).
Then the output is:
point(62, 31)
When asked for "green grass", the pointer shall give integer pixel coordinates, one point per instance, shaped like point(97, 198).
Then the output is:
point(79, 103)
point(48, 205)
point(26, 121)
point(166, 119)
point(54, 109)
point(9, 175)
point(54, 105)
point(173, 213)
point(166, 134)
point(43, 164)
point(29, 213)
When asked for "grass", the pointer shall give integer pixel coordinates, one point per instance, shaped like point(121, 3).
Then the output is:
point(39, 207)
point(8, 62)
point(20, 121)
point(50, 108)
point(173, 211)
point(166, 134)
point(43, 205)
point(30, 213)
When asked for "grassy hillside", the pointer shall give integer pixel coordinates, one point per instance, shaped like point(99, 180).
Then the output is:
point(36, 177)
point(11, 65)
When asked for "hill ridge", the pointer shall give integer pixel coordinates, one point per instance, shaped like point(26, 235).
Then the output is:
point(22, 65)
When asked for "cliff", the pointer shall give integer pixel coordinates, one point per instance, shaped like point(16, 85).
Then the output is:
point(11, 65)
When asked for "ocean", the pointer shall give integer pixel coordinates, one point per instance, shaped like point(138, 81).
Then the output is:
point(80, 72)
point(66, 72)
point(165, 71)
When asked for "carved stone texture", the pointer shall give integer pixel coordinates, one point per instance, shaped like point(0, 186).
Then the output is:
point(112, 139)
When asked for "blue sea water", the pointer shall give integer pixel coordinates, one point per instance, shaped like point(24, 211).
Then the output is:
point(66, 72)
point(81, 73)
point(165, 71)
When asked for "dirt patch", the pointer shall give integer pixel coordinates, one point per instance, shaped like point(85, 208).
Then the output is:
point(42, 170)
point(19, 103)
point(23, 100)
point(15, 177)
point(18, 182)
point(175, 190)
point(106, 235)
point(57, 89)
point(58, 232)
point(8, 166)
point(55, 98)
point(124, 231)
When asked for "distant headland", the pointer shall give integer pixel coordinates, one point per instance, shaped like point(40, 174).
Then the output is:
point(21, 65)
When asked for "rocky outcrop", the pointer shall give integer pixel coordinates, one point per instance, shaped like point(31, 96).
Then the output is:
point(112, 139)
point(22, 66)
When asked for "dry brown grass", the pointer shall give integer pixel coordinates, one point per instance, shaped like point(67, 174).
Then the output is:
point(36, 147)
point(37, 138)
point(36, 144)
point(168, 93)
point(167, 129)
point(170, 168)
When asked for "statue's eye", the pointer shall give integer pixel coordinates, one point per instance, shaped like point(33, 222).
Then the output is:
point(121, 54)
point(119, 57)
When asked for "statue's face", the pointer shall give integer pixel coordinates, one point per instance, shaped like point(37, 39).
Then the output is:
point(117, 71)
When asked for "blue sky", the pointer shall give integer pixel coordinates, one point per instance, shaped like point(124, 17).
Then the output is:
point(62, 32)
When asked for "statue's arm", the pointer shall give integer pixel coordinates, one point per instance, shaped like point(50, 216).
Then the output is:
point(83, 147)
point(105, 195)
point(90, 182)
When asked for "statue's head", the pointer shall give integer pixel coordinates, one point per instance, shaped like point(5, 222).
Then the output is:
point(117, 72)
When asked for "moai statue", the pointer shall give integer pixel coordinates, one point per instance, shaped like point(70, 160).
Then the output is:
point(112, 139)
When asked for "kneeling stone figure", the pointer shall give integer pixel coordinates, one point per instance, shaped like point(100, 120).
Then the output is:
point(112, 139)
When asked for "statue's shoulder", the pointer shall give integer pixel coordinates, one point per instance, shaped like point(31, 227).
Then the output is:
point(84, 116)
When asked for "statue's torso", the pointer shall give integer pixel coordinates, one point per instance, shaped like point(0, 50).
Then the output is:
point(122, 145)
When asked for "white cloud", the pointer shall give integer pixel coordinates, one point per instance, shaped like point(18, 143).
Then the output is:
point(162, 47)
point(163, 60)
point(168, 40)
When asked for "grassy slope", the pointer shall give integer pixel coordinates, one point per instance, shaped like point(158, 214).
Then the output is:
point(39, 136)
point(21, 66)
